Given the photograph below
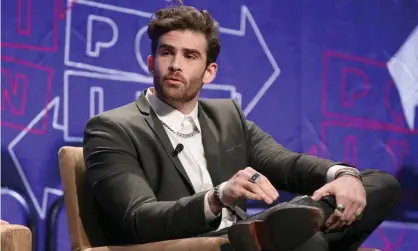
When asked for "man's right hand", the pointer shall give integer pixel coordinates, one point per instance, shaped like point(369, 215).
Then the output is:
point(240, 186)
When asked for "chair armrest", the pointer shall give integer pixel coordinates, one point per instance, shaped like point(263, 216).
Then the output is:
point(15, 238)
point(189, 244)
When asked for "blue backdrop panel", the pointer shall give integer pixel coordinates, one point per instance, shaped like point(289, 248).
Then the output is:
point(336, 79)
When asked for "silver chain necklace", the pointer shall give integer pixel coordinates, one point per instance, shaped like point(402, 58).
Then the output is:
point(183, 135)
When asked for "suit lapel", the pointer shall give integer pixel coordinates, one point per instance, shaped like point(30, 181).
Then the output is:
point(210, 139)
point(158, 129)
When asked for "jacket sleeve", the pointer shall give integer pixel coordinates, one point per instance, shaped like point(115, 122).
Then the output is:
point(123, 193)
point(290, 171)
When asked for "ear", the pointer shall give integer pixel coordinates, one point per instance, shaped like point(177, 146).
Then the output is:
point(210, 73)
point(150, 62)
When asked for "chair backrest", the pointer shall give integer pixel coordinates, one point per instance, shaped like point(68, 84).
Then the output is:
point(83, 223)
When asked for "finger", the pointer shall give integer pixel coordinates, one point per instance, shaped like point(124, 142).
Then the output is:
point(264, 183)
point(254, 188)
point(344, 216)
point(250, 171)
point(354, 206)
point(246, 173)
point(249, 195)
point(331, 220)
point(351, 219)
point(337, 225)
point(320, 193)
point(360, 209)
point(337, 221)
point(268, 188)
point(347, 202)
point(353, 203)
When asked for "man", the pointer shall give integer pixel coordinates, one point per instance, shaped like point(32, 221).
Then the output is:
point(169, 165)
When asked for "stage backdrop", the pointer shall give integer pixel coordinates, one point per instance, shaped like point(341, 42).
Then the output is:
point(336, 79)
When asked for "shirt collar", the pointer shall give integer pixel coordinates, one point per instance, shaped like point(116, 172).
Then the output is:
point(172, 117)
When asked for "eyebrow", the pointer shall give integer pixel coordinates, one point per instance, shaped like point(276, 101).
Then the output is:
point(187, 50)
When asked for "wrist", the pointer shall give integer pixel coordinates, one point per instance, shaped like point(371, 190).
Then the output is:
point(214, 204)
point(348, 172)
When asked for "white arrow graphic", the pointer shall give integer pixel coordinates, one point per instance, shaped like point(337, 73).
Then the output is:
point(247, 17)
point(40, 206)
point(403, 67)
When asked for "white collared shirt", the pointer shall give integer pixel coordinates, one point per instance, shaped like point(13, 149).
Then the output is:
point(192, 157)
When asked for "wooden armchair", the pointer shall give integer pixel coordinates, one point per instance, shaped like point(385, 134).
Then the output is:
point(84, 230)
point(15, 237)
point(83, 227)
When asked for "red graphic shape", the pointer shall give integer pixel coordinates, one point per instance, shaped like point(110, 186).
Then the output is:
point(398, 149)
point(351, 152)
point(395, 112)
point(365, 87)
point(14, 92)
point(388, 244)
point(68, 9)
point(376, 147)
point(32, 25)
point(24, 13)
point(24, 84)
point(347, 98)
point(313, 151)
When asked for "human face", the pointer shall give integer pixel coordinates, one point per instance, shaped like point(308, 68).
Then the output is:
point(179, 66)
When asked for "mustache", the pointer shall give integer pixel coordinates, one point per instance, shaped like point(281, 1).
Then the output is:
point(175, 76)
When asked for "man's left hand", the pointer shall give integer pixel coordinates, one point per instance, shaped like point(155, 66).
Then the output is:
point(349, 192)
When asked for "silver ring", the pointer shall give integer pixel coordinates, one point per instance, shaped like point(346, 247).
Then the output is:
point(255, 178)
point(341, 208)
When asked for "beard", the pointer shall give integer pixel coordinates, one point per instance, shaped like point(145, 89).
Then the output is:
point(179, 93)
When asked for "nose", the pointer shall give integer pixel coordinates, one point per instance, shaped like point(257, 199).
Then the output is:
point(175, 64)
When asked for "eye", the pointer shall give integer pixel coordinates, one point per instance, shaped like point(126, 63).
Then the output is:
point(165, 53)
point(190, 56)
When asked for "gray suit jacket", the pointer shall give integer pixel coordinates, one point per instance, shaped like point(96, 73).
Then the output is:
point(144, 193)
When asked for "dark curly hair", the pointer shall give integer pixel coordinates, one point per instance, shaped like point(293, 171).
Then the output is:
point(179, 17)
